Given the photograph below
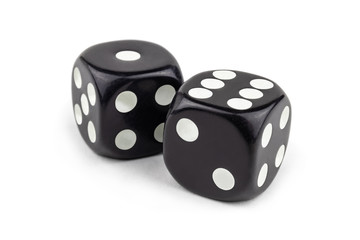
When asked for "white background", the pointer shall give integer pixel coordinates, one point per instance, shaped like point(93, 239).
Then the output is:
point(52, 186)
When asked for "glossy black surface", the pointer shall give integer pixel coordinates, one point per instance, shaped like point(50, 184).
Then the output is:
point(227, 138)
point(110, 77)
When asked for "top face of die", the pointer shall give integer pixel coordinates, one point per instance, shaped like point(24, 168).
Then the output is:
point(231, 90)
point(128, 56)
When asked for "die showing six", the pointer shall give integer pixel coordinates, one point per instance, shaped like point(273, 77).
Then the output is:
point(225, 132)
point(121, 94)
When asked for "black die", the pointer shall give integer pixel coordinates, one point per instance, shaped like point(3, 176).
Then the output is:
point(226, 134)
point(121, 94)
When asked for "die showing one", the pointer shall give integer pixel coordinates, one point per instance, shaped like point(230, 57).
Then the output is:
point(121, 94)
point(226, 134)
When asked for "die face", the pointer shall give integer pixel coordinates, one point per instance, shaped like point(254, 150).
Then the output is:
point(133, 117)
point(233, 91)
point(131, 105)
point(86, 103)
point(251, 148)
point(271, 145)
point(205, 152)
point(129, 56)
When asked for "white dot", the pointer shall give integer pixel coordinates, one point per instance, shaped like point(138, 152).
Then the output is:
point(78, 114)
point(212, 83)
point(261, 84)
point(200, 93)
point(125, 139)
point(91, 94)
point(187, 130)
point(223, 179)
point(91, 132)
point(125, 101)
point(284, 117)
point(159, 132)
point(84, 104)
point(251, 93)
point(77, 78)
point(262, 175)
point(224, 74)
point(280, 156)
point(128, 55)
point(266, 135)
point(164, 95)
point(239, 103)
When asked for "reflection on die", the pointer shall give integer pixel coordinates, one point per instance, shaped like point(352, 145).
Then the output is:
point(121, 94)
point(226, 134)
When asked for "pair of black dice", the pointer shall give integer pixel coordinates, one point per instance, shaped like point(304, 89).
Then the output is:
point(225, 132)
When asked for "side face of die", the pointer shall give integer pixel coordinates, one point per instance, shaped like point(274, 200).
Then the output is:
point(133, 84)
point(218, 142)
